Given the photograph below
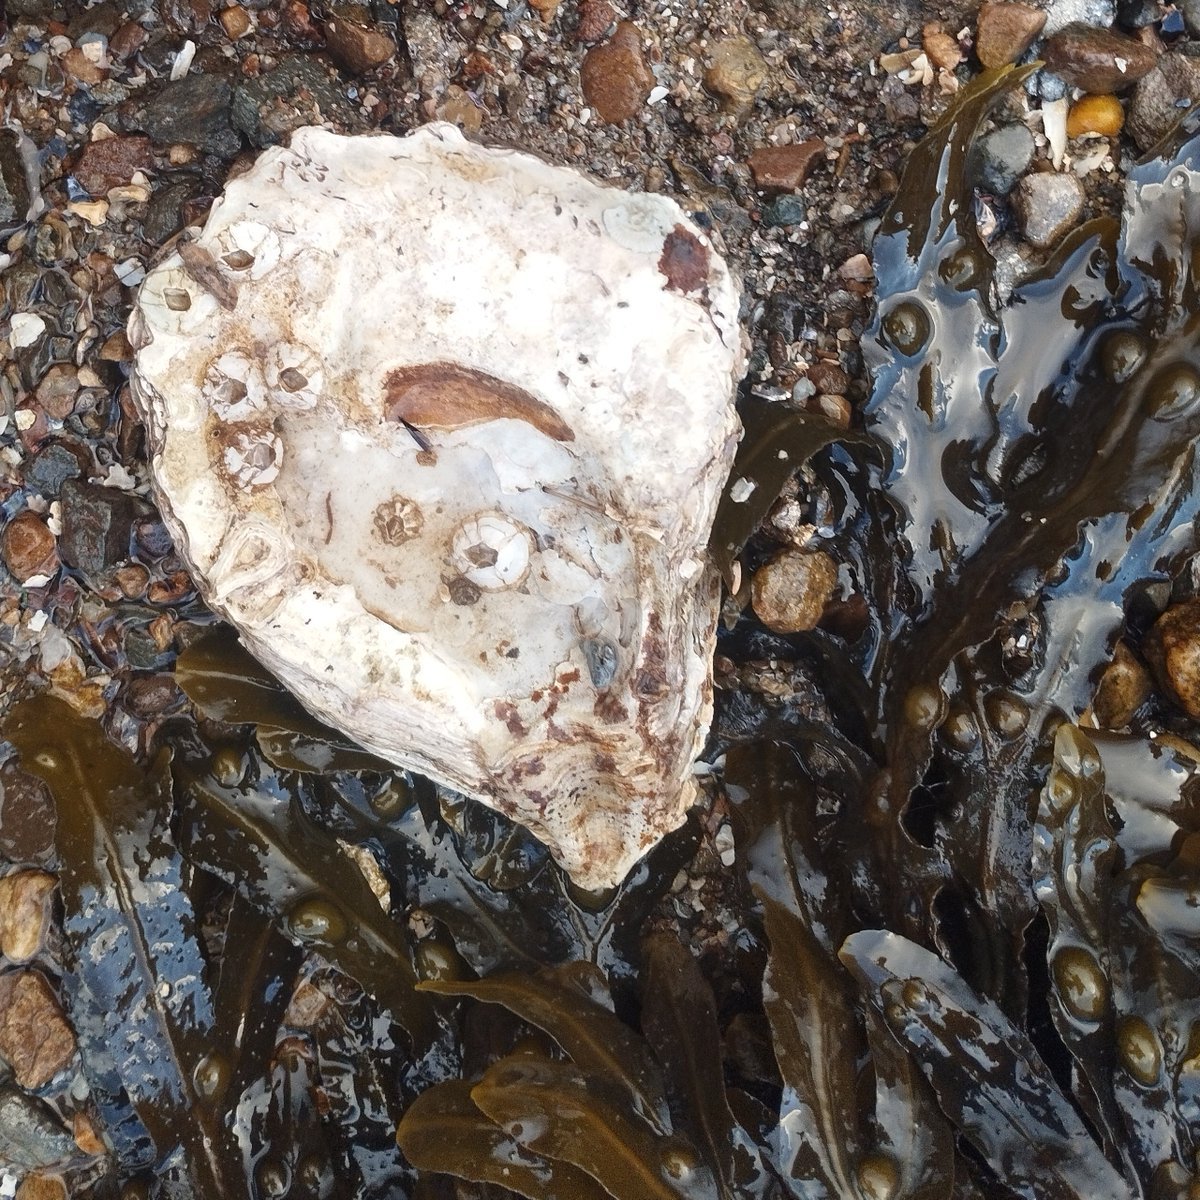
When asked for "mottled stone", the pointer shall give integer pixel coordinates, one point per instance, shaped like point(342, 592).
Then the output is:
point(14, 187)
point(736, 73)
point(31, 1135)
point(615, 77)
point(596, 18)
point(1124, 688)
point(25, 900)
point(27, 547)
point(52, 466)
point(194, 110)
point(1003, 156)
point(57, 391)
point(297, 91)
point(35, 1039)
point(1097, 61)
point(111, 162)
point(27, 818)
point(790, 592)
point(1162, 97)
point(941, 48)
point(785, 168)
point(96, 523)
point(1048, 206)
point(235, 20)
point(1003, 32)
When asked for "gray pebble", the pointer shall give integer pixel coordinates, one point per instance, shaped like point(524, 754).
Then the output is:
point(195, 110)
point(1004, 156)
point(784, 210)
point(266, 110)
point(1162, 97)
point(30, 1135)
point(1060, 13)
point(96, 524)
point(1048, 205)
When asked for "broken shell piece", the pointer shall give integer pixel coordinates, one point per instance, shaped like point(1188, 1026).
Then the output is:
point(446, 448)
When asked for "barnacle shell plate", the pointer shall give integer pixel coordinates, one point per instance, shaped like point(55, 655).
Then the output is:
point(441, 430)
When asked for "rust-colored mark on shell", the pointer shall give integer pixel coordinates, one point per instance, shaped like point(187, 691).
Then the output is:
point(684, 261)
point(444, 395)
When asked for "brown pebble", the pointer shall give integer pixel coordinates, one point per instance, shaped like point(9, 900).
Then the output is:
point(81, 68)
point(1096, 114)
point(615, 77)
point(356, 47)
point(1097, 60)
point(112, 162)
point(25, 902)
point(1003, 32)
point(790, 592)
point(785, 168)
point(828, 377)
point(1172, 648)
point(132, 579)
point(28, 547)
point(116, 348)
point(87, 1136)
point(596, 18)
point(149, 696)
point(296, 21)
point(459, 109)
point(35, 1038)
point(546, 10)
point(1124, 688)
point(835, 409)
point(235, 20)
point(940, 47)
point(736, 73)
point(58, 390)
point(27, 817)
point(129, 38)
point(41, 1185)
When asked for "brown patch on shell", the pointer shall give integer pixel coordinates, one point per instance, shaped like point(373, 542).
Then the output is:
point(684, 261)
point(443, 395)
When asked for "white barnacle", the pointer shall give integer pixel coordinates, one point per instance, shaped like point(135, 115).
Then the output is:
point(253, 457)
point(295, 375)
point(233, 387)
point(248, 246)
point(492, 551)
point(638, 223)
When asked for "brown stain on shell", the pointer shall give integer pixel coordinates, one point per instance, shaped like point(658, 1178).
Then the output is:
point(443, 395)
point(684, 261)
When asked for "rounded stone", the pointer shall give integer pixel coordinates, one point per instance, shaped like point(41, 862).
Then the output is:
point(790, 592)
point(28, 548)
point(1097, 60)
point(1004, 156)
point(1080, 983)
point(1048, 206)
point(1172, 649)
point(736, 73)
point(615, 77)
point(1003, 32)
point(1101, 115)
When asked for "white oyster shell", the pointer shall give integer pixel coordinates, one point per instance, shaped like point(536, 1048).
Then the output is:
point(441, 430)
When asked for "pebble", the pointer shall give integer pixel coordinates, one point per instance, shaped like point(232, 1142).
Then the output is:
point(1048, 205)
point(1155, 107)
point(195, 110)
point(58, 390)
point(828, 377)
point(82, 68)
point(736, 73)
point(35, 1038)
point(111, 162)
point(785, 168)
point(269, 107)
point(615, 77)
point(27, 547)
point(1003, 32)
point(1172, 649)
point(235, 20)
point(1096, 114)
point(38, 1186)
point(1097, 61)
point(790, 592)
point(27, 818)
point(1191, 16)
point(941, 48)
point(1003, 156)
point(459, 109)
point(96, 523)
point(358, 48)
point(31, 1136)
point(596, 18)
point(14, 187)
point(52, 466)
point(25, 902)
point(1060, 13)
point(783, 211)
point(1124, 688)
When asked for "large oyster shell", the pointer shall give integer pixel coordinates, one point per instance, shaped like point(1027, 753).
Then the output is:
point(441, 430)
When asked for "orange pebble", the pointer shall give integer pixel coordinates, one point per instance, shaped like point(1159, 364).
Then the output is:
point(1096, 114)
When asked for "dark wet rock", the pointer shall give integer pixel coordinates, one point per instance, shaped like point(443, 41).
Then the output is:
point(785, 168)
point(1004, 156)
point(1124, 688)
point(615, 77)
point(33, 11)
point(165, 212)
point(150, 696)
point(144, 653)
point(1097, 60)
point(129, 38)
point(31, 1136)
point(27, 820)
point(27, 548)
point(790, 592)
point(1172, 648)
point(14, 187)
point(1162, 97)
point(1138, 14)
point(195, 111)
point(1003, 32)
point(152, 539)
point(96, 524)
point(299, 91)
point(356, 47)
point(52, 466)
point(1048, 205)
point(111, 162)
point(1191, 16)
point(784, 210)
